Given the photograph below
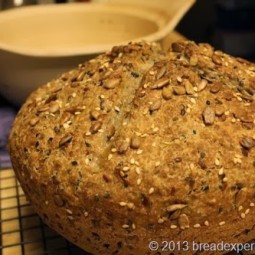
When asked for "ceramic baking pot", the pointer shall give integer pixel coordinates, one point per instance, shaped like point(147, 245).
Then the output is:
point(37, 43)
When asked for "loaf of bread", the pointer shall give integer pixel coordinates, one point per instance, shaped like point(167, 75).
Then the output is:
point(138, 145)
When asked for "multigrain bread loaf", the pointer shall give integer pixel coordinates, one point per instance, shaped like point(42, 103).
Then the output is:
point(139, 145)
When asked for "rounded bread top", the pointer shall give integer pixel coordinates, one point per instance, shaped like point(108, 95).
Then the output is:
point(154, 137)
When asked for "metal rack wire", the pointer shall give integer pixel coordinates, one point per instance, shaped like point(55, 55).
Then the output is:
point(22, 231)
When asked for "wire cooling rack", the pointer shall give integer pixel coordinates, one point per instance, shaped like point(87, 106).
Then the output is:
point(22, 231)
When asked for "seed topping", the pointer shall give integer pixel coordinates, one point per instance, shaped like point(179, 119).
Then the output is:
point(219, 110)
point(33, 122)
point(43, 108)
point(94, 115)
point(65, 140)
point(173, 226)
point(111, 83)
point(202, 85)
point(135, 143)
point(172, 208)
point(160, 83)
point(123, 204)
point(161, 72)
point(188, 87)
point(215, 88)
point(122, 147)
point(58, 200)
point(151, 190)
point(95, 127)
point(247, 142)
point(222, 223)
point(54, 108)
point(155, 105)
point(209, 115)
point(206, 223)
point(183, 221)
point(179, 90)
point(167, 93)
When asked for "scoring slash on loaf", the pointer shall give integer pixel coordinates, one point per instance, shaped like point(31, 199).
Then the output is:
point(137, 145)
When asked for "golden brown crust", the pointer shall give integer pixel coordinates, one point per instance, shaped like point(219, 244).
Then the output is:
point(137, 145)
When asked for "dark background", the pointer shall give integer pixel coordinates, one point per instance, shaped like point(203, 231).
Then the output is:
point(228, 25)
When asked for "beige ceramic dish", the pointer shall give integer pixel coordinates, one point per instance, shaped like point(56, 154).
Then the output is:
point(37, 43)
